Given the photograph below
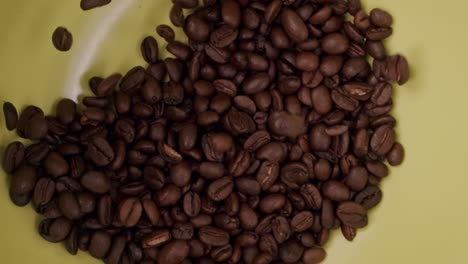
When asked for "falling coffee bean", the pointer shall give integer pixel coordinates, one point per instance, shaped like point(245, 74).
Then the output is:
point(62, 39)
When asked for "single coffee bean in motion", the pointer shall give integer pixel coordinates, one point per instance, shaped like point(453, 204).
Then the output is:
point(62, 39)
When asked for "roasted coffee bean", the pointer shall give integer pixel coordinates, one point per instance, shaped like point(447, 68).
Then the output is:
point(24, 179)
point(192, 204)
point(294, 175)
point(21, 199)
point(100, 152)
point(69, 206)
point(314, 256)
point(348, 232)
point(382, 140)
point(180, 50)
point(352, 214)
point(302, 221)
point(55, 230)
point(90, 4)
point(105, 210)
point(99, 244)
point(11, 115)
point(256, 83)
point(293, 25)
point(62, 39)
point(280, 229)
point(357, 178)
point(149, 49)
point(13, 156)
point(220, 189)
point(168, 195)
point(291, 252)
point(248, 217)
point(166, 32)
point(272, 202)
point(335, 191)
point(56, 165)
point(32, 123)
point(156, 238)
point(43, 191)
point(369, 197)
point(87, 202)
point(174, 252)
point(285, 124)
point(267, 174)
point(380, 18)
point(213, 236)
point(116, 250)
point(396, 155)
point(72, 241)
point(312, 196)
point(180, 173)
point(130, 211)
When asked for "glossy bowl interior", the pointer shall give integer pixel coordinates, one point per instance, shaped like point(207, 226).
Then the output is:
point(422, 218)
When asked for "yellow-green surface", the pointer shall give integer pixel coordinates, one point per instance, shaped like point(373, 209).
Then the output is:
point(423, 217)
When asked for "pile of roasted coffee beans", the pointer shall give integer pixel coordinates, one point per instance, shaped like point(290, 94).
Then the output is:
point(266, 131)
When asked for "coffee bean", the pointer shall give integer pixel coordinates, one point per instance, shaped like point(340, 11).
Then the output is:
point(56, 165)
point(174, 252)
point(213, 236)
point(220, 189)
point(256, 83)
point(311, 195)
point(24, 179)
point(11, 115)
point(168, 195)
point(116, 250)
point(348, 232)
point(90, 4)
point(192, 204)
point(100, 152)
point(272, 202)
point(32, 123)
point(87, 202)
point(21, 199)
point(369, 197)
point(55, 230)
point(13, 156)
point(280, 229)
point(285, 124)
point(395, 155)
point(62, 39)
point(231, 13)
point(294, 175)
point(314, 256)
point(302, 221)
point(352, 214)
point(382, 140)
point(130, 211)
point(105, 210)
point(291, 252)
point(380, 18)
point(166, 32)
point(357, 178)
point(107, 86)
point(335, 191)
point(69, 206)
point(180, 50)
point(43, 192)
point(293, 25)
point(156, 238)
